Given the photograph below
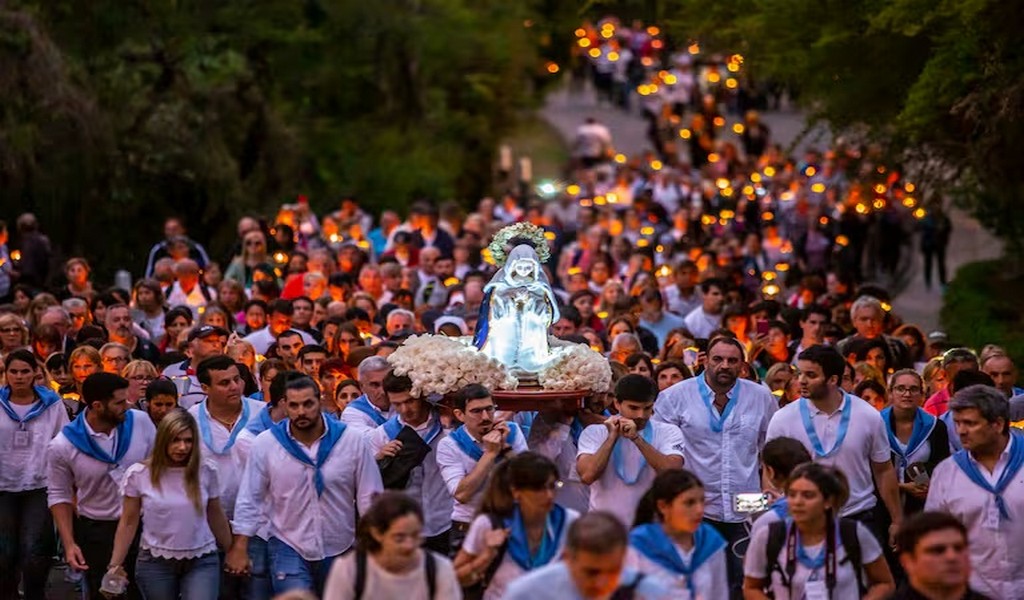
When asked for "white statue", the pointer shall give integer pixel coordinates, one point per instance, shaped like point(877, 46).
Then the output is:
point(517, 309)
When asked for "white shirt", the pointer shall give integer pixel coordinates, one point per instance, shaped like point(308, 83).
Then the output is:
point(279, 490)
point(702, 324)
point(385, 585)
point(194, 299)
point(710, 581)
point(263, 338)
point(866, 442)
point(230, 465)
point(426, 485)
point(609, 492)
point(997, 564)
point(190, 391)
point(353, 417)
point(72, 475)
point(172, 527)
point(555, 581)
point(554, 441)
point(23, 454)
point(756, 564)
point(456, 464)
point(726, 462)
point(508, 571)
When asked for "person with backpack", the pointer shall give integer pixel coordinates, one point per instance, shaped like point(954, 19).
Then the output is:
point(814, 554)
point(519, 527)
point(389, 563)
point(593, 567)
point(672, 543)
point(778, 459)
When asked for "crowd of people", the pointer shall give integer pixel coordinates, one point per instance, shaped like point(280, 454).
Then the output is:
point(232, 428)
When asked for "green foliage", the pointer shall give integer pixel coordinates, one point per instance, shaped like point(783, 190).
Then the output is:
point(982, 306)
point(114, 114)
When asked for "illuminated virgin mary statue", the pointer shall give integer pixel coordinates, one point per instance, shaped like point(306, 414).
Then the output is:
point(518, 305)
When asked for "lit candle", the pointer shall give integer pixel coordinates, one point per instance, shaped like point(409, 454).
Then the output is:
point(505, 161)
point(525, 169)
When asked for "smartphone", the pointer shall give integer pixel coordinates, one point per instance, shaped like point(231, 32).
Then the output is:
point(762, 328)
point(690, 356)
point(750, 503)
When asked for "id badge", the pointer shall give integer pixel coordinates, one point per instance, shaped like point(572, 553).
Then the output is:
point(815, 590)
point(22, 439)
point(991, 521)
point(117, 475)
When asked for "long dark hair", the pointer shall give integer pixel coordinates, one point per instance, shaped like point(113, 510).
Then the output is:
point(525, 471)
point(387, 507)
point(666, 486)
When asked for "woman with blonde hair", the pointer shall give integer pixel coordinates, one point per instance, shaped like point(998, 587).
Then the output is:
point(13, 333)
point(184, 522)
point(38, 306)
point(254, 254)
point(83, 362)
point(139, 373)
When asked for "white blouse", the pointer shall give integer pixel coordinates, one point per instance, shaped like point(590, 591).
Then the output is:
point(172, 528)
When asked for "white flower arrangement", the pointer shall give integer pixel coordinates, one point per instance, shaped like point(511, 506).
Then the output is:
point(577, 368)
point(439, 364)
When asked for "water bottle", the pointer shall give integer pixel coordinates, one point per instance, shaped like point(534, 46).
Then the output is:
point(114, 583)
point(123, 280)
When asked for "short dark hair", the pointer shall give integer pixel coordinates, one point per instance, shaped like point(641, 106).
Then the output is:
point(393, 383)
point(280, 306)
point(717, 282)
point(923, 523)
point(729, 340)
point(636, 388)
point(161, 386)
point(569, 313)
point(275, 392)
point(24, 355)
point(303, 382)
point(815, 309)
point(100, 387)
point(966, 378)
point(783, 454)
point(388, 506)
point(288, 333)
point(473, 391)
point(987, 400)
point(220, 362)
point(311, 349)
point(780, 325)
point(828, 358)
point(598, 532)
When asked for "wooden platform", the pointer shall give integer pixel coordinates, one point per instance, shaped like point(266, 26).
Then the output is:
point(537, 399)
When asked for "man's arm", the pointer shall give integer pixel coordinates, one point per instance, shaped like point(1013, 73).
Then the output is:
point(658, 461)
point(889, 490)
point(591, 466)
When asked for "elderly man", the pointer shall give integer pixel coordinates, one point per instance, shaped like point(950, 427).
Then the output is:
point(868, 318)
point(400, 320)
point(121, 329)
point(60, 320)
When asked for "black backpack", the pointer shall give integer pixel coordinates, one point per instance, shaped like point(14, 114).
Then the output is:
point(627, 591)
point(847, 537)
point(430, 565)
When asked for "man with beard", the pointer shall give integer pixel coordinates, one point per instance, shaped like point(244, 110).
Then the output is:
point(724, 420)
point(467, 456)
point(204, 341)
point(120, 329)
point(85, 465)
point(372, 409)
point(632, 445)
point(842, 431)
point(304, 480)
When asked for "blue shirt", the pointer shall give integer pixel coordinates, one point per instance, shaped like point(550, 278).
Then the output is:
point(554, 581)
point(661, 327)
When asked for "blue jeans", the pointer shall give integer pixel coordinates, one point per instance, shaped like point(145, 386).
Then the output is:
point(168, 579)
point(26, 543)
point(289, 571)
point(259, 577)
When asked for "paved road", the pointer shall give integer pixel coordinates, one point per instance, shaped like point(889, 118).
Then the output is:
point(969, 242)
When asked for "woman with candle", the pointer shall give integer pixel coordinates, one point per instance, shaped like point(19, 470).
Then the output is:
point(184, 521)
point(813, 553)
point(915, 437)
point(672, 543)
point(519, 527)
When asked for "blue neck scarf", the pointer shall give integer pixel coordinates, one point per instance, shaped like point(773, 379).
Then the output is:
point(207, 434)
point(812, 435)
point(812, 563)
point(707, 394)
point(781, 507)
point(577, 427)
point(362, 404)
point(45, 398)
point(261, 423)
point(78, 435)
point(334, 429)
point(652, 541)
point(519, 544)
point(954, 439)
point(393, 426)
point(970, 469)
point(619, 461)
point(924, 423)
point(470, 448)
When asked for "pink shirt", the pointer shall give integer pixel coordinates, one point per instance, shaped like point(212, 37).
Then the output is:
point(938, 404)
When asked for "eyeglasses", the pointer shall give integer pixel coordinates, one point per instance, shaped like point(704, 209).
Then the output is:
point(11, 330)
point(254, 243)
point(913, 390)
point(482, 409)
point(142, 378)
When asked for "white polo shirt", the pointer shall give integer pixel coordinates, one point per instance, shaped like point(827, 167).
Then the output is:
point(554, 441)
point(866, 442)
point(279, 491)
point(610, 493)
point(426, 485)
point(725, 461)
point(23, 449)
point(230, 464)
point(997, 564)
point(93, 486)
point(455, 464)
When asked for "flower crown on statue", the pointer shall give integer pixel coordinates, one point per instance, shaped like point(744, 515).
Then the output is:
point(527, 232)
